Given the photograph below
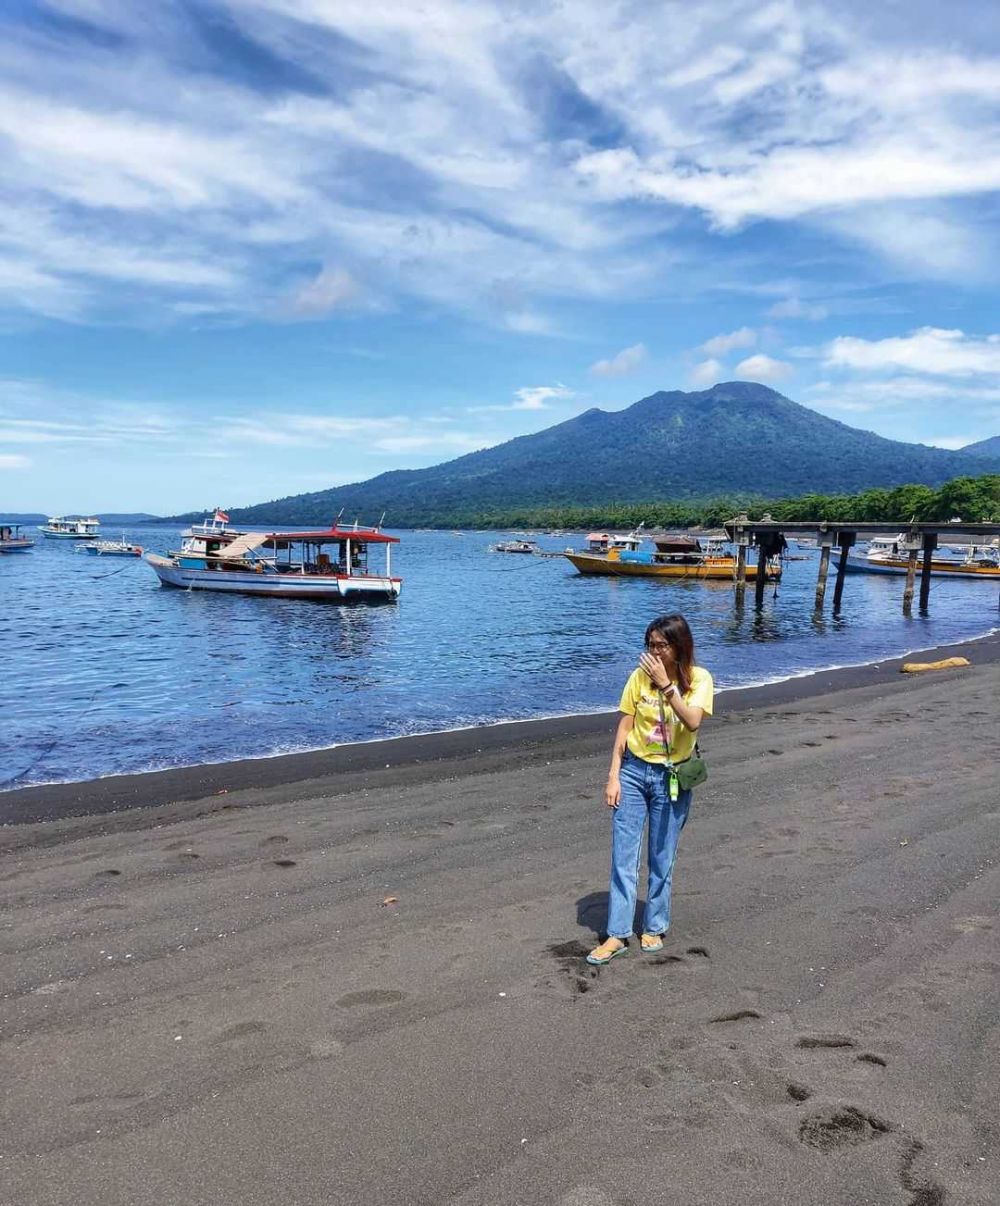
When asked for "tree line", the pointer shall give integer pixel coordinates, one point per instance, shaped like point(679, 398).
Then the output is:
point(972, 499)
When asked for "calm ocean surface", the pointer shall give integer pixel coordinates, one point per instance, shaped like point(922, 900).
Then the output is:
point(105, 671)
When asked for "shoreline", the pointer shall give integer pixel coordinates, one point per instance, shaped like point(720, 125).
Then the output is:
point(426, 755)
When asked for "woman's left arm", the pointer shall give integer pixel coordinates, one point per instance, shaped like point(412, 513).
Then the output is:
point(690, 715)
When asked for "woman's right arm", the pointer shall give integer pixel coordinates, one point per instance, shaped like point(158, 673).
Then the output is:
point(613, 790)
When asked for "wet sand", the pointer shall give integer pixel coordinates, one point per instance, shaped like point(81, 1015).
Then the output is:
point(205, 999)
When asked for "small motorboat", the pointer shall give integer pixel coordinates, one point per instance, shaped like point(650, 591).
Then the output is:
point(514, 546)
point(889, 555)
point(114, 548)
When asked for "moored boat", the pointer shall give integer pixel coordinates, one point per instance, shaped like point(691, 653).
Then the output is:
point(606, 542)
point(329, 565)
point(11, 540)
point(514, 546)
point(114, 548)
point(58, 528)
point(888, 555)
point(675, 556)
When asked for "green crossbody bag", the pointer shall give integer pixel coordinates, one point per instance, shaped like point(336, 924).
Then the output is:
point(689, 773)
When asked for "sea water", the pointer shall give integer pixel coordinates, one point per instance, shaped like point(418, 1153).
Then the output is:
point(104, 671)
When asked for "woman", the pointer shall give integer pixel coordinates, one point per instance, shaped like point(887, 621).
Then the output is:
point(663, 704)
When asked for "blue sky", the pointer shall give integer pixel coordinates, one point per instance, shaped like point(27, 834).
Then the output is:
point(259, 247)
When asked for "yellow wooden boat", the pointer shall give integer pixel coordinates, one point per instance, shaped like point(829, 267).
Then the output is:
point(681, 557)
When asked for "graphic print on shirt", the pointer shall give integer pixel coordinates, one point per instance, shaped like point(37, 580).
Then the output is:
point(658, 740)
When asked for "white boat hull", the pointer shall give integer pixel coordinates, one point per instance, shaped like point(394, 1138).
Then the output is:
point(334, 588)
point(861, 565)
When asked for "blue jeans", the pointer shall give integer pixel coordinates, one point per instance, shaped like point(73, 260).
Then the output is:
point(645, 795)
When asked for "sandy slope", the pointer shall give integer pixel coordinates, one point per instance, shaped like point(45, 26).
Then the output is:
point(218, 1008)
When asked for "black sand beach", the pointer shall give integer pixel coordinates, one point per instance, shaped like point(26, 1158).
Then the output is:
point(206, 999)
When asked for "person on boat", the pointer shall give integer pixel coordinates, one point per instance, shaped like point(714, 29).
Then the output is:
point(662, 708)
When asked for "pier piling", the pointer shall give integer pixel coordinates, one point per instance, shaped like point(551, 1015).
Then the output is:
point(912, 548)
point(846, 541)
point(825, 545)
point(930, 544)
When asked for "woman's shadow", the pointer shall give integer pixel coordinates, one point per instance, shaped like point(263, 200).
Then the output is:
point(592, 912)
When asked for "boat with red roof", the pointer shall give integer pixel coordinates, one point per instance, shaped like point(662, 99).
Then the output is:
point(331, 564)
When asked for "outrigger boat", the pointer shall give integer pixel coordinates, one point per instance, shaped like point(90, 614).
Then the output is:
point(678, 556)
point(330, 565)
point(114, 548)
point(58, 528)
point(888, 555)
point(11, 540)
point(514, 546)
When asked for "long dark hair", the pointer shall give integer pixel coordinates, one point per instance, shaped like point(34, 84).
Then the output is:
point(674, 629)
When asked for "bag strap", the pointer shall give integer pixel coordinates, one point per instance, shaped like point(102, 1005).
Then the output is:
point(663, 730)
point(663, 723)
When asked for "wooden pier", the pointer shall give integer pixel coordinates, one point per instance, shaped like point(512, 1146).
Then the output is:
point(768, 536)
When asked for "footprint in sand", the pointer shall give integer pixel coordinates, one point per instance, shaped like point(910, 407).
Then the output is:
point(662, 960)
point(274, 839)
point(586, 1195)
point(869, 1057)
point(325, 1048)
point(738, 1015)
point(372, 996)
point(108, 871)
point(241, 1030)
point(580, 976)
point(810, 1042)
point(284, 862)
point(841, 1126)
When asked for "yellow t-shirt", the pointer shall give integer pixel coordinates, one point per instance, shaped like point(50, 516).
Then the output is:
point(641, 700)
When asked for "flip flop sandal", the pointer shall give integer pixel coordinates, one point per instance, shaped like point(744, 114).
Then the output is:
point(651, 943)
point(601, 954)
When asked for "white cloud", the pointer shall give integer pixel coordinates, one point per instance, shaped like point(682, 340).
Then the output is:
point(921, 243)
point(708, 372)
point(528, 322)
point(624, 362)
point(331, 289)
point(720, 345)
point(537, 397)
point(792, 182)
point(954, 442)
point(929, 350)
point(14, 461)
point(445, 443)
point(898, 391)
point(795, 307)
point(763, 368)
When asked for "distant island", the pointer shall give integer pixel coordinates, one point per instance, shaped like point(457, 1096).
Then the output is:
point(739, 441)
point(110, 517)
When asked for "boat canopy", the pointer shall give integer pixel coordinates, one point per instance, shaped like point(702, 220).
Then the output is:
point(330, 535)
point(242, 545)
point(677, 544)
